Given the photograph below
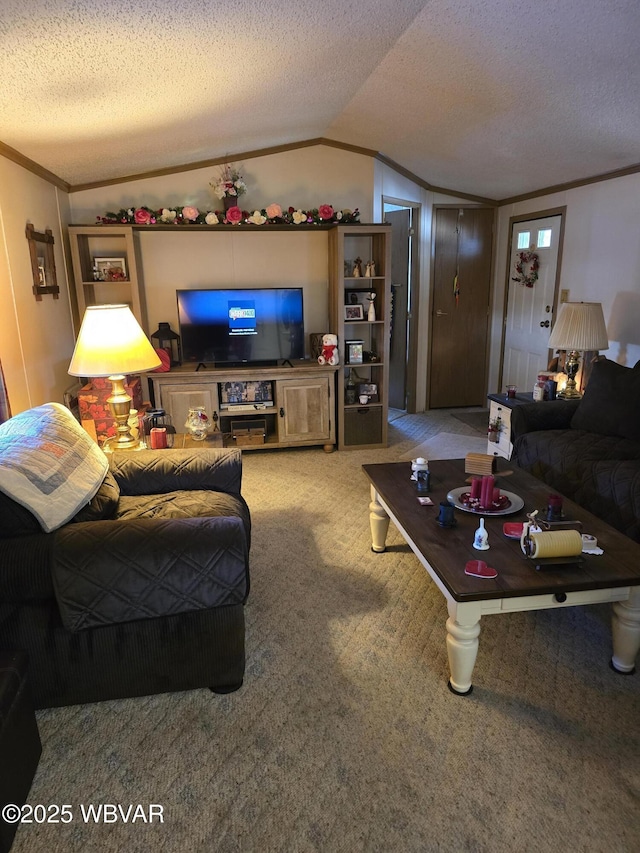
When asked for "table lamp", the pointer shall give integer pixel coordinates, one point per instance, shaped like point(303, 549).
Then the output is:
point(579, 327)
point(112, 344)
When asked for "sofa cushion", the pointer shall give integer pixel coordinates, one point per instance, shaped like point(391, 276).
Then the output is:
point(610, 489)
point(103, 504)
point(555, 456)
point(610, 402)
point(108, 571)
point(185, 504)
point(49, 464)
point(15, 519)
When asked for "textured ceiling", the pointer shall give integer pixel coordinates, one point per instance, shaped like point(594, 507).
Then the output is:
point(490, 97)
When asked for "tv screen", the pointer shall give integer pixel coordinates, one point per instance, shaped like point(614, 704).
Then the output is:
point(261, 325)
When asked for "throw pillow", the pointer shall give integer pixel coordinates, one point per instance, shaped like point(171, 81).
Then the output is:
point(610, 402)
point(48, 464)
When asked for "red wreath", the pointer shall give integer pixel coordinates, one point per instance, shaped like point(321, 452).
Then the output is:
point(528, 279)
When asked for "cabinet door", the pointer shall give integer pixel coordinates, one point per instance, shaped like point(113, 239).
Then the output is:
point(303, 408)
point(178, 399)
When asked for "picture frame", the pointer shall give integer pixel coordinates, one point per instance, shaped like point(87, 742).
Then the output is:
point(43, 265)
point(110, 269)
point(370, 390)
point(353, 312)
point(354, 352)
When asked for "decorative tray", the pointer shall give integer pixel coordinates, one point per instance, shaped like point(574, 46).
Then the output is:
point(508, 503)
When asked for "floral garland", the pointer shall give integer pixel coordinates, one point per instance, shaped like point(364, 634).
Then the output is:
point(530, 278)
point(325, 214)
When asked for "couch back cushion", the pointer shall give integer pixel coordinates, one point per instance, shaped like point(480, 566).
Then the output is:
point(49, 464)
point(610, 405)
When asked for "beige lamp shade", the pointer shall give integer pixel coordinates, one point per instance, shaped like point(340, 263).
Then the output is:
point(111, 342)
point(580, 326)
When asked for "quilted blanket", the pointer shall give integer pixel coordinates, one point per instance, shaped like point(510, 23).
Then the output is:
point(49, 464)
point(107, 572)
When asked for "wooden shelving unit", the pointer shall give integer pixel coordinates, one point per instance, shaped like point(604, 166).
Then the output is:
point(361, 425)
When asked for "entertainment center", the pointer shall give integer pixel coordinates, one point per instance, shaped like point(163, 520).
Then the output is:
point(306, 403)
point(300, 411)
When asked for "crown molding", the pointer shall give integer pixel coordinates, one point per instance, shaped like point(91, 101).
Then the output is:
point(31, 166)
point(572, 185)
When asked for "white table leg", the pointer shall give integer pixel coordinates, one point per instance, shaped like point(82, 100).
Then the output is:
point(463, 630)
point(379, 523)
point(625, 629)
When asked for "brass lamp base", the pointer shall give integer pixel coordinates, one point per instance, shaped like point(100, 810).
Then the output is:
point(120, 405)
point(570, 392)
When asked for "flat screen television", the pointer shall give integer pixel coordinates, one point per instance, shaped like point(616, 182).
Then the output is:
point(245, 326)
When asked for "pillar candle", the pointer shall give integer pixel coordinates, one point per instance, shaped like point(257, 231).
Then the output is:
point(496, 494)
point(476, 487)
point(487, 490)
point(158, 437)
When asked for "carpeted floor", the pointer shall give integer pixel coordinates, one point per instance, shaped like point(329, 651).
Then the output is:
point(478, 420)
point(345, 737)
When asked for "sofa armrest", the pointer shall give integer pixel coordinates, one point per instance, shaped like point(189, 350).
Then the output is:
point(106, 572)
point(155, 472)
point(533, 417)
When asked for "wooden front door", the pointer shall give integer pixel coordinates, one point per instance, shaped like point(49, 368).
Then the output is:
point(531, 310)
point(460, 307)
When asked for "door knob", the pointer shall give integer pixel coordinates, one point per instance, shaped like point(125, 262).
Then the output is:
point(545, 324)
point(440, 313)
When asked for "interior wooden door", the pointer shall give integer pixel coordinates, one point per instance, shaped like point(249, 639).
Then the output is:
point(400, 299)
point(460, 308)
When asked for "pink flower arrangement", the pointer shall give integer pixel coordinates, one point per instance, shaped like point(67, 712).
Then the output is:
point(274, 211)
point(326, 214)
point(143, 217)
point(234, 215)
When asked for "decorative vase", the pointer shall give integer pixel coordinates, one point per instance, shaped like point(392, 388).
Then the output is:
point(197, 423)
point(230, 201)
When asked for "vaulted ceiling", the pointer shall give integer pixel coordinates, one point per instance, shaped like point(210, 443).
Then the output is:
point(495, 98)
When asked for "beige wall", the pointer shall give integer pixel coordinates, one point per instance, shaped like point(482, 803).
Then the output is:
point(303, 178)
point(36, 338)
point(601, 250)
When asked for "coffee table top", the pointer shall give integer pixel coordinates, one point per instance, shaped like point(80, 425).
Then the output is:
point(448, 550)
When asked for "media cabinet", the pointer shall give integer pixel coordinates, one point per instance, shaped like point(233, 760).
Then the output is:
point(300, 411)
point(301, 392)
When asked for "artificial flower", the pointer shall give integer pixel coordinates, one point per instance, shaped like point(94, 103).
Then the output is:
point(211, 219)
point(299, 216)
point(229, 183)
point(168, 215)
point(325, 211)
point(190, 213)
point(257, 218)
point(274, 211)
point(142, 216)
point(234, 215)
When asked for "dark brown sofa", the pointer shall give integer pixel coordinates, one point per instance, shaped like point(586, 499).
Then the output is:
point(588, 449)
point(141, 591)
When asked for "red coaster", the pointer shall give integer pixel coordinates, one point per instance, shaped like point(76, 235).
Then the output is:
point(479, 569)
point(512, 529)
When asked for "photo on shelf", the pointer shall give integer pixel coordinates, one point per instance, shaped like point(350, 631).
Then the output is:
point(369, 390)
point(353, 352)
point(110, 269)
point(353, 312)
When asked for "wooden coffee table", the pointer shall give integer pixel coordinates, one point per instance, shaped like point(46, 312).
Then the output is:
point(613, 576)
